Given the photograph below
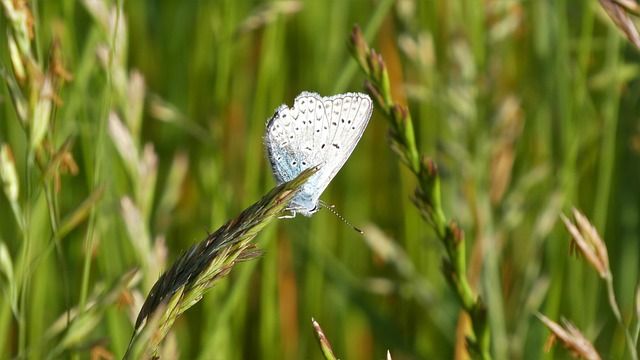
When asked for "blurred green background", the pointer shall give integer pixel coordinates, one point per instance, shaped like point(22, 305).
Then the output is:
point(527, 107)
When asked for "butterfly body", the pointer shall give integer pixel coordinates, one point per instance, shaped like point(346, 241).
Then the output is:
point(315, 131)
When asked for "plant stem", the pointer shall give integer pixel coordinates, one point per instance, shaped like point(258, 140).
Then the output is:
point(616, 312)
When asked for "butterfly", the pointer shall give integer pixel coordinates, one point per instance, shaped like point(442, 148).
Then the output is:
point(315, 131)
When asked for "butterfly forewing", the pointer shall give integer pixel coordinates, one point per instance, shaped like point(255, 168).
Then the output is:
point(312, 113)
point(349, 118)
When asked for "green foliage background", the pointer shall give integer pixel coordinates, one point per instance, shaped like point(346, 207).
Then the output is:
point(527, 107)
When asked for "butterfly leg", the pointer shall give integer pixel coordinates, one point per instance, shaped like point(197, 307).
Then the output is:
point(290, 216)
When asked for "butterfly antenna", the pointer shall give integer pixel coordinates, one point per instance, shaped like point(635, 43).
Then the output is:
point(330, 208)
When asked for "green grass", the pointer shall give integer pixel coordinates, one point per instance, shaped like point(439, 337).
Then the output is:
point(528, 108)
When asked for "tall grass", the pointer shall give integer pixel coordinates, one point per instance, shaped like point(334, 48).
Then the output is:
point(149, 132)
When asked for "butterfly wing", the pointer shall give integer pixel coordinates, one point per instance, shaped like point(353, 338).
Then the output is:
point(347, 116)
point(291, 139)
point(280, 144)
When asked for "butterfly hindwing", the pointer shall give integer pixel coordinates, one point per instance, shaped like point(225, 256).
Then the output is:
point(279, 141)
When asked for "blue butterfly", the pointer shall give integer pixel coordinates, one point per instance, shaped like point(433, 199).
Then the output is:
point(315, 131)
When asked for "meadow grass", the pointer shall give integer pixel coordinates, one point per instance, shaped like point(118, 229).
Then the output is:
point(130, 129)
